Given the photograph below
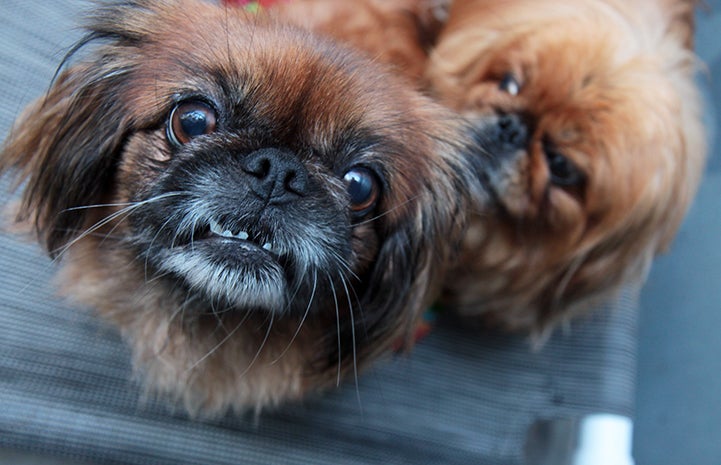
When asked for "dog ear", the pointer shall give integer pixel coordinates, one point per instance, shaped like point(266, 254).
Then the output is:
point(64, 148)
point(681, 19)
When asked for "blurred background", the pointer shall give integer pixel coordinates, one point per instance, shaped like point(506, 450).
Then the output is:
point(678, 401)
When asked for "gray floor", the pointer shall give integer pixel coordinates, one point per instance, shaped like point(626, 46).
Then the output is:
point(679, 375)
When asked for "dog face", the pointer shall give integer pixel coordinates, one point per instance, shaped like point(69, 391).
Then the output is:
point(258, 210)
point(597, 147)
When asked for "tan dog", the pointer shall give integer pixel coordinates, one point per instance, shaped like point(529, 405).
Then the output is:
point(598, 147)
point(259, 210)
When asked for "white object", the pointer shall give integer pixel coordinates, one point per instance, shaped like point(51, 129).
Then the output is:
point(604, 439)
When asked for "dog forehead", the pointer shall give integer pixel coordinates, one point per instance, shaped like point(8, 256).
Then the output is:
point(243, 58)
point(237, 45)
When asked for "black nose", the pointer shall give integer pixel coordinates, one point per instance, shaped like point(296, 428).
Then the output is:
point(509, 134)
point(276, 175)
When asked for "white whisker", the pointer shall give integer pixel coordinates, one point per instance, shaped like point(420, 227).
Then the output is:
point(218, 345)
point(99, 205)
point(352, 328)
point(337, 321)
point(343, 263)
point(150, 246)
point(260, 349)
point(302, 320)
point(125, 211)
point(407, 201)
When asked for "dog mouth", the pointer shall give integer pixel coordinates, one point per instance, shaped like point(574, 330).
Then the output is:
point(244, 237)
point(241, 267)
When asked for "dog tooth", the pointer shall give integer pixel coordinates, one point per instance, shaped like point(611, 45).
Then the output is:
point(267, 246)
point(215, 228)
point(242, 235)
point(227, 233)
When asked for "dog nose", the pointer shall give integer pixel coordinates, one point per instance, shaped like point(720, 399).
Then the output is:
point(276, 175)
point(510, 133)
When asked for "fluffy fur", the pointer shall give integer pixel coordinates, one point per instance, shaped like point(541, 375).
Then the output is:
point(598, 147)
point(398, 32)
point(201, 174)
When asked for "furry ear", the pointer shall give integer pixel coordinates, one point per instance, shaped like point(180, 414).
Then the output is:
point(681, 19)
point(64, 147)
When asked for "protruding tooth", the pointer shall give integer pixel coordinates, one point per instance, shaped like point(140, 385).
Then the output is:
point(267, 246)
point(242, 235)
point(227, 233)
point(215, 228)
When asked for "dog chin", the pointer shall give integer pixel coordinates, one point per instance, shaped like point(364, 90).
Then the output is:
point(232, 271)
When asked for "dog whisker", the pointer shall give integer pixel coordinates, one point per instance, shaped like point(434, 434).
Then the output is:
point(337, 320)
point(179, 311)
point(302, 320)
point(344, 265)
point(391, 210)
point(60, 252)
point(125, 211)
point(91, 231)
point(157, 276)
point(357, 299)
point(260, 349)
point(218, 345)
point(100, 205)
point(149, 248)
point(353, 342)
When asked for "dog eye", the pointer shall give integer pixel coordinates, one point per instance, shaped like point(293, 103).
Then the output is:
point(188, 120)
point(563, 172)
point(363, 190)
point(510, 84)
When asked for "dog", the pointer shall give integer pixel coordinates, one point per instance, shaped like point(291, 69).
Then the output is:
point(399, 33)
point(597, 148)
point(259, 210)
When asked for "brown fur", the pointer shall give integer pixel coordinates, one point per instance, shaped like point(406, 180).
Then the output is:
point(608, 83)
point(398, 32)
point(98, 138)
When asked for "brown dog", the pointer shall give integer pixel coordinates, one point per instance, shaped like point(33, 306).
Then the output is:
point(259, 210)
point(397, 32)
point(598, 147)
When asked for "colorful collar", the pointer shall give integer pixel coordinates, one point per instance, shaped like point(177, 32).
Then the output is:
point(252, 6)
